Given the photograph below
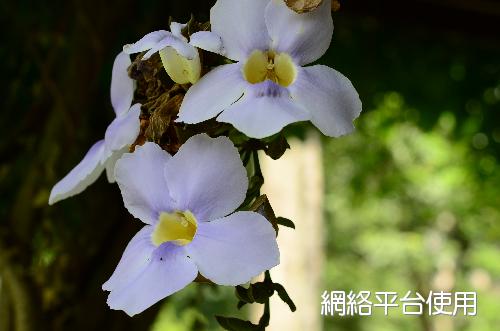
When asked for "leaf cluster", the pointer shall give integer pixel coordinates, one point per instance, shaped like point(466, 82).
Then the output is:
point(259, 292)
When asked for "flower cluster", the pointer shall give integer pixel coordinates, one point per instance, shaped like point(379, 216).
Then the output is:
point(246, 77)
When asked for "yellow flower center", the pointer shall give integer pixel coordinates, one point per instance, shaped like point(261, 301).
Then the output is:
point(178, 227)
point(268, 65)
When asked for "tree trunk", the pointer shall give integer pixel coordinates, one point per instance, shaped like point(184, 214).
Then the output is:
point(294, 186)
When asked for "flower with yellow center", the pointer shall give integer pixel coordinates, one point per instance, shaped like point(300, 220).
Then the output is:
point(187, 202)
point(179, 56)
point(178, 227)
point(268, 86)
point(278, 68)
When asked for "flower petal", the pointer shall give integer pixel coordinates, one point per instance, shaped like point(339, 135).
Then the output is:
point(123, 131)
point(208, 41)
point(306, 37)
point(181, 46)
point(180, 69)
point(207, 177)
point(147, 42)
point(176, 29)
point(142, 183)
point(169, 271)
point(241, 25)
point(122, 86)
point(263, 111)
point(233, 249)
point(84, 174)
point(214, 92)
point(135, 259)
point(111, 162)
point(329, 96)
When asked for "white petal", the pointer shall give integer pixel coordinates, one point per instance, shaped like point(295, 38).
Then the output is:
point(330, 98)
point(169, 271)
point(181, 46)
point(147, 42)
point(234, 249)
point(213, 93)
point(241, 25)
point(264, 110)
point(207, 177)
point(122, 86)
point(306, 37)
point(176, 29)
point(142, 183)
point(111, 162)
point(135, 259)
point(208, 41)
point(84, 174)
point(123, 131)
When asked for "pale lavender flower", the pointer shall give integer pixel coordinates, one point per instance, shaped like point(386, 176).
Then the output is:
point(179, 55)
point(120, 134)
point(268, 87)
point(186, 201)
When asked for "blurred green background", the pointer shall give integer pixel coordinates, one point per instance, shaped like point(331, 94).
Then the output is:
point(411, 197)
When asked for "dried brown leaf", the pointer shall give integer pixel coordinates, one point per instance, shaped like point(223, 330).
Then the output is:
point(303, 6)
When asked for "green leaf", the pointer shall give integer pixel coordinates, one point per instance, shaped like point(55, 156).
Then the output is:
point(277, 147)
point(244, 294)
point(241, 304)
point(262, 206)
point(235, 324)
point(262, 291)
point(245, 157)
point(254, 186)
point(284, 296)
point(237, 137)
point(285, 222)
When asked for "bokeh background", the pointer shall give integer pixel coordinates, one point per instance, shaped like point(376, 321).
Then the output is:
point(411, 200)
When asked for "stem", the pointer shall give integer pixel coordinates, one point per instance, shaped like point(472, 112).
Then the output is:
point(267, 277)
point(256, 164)
point(245, 155)
point(266, 316)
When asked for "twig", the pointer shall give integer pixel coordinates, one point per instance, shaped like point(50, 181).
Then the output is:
point(19, 296)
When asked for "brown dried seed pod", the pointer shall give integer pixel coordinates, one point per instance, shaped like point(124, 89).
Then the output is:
point(303, 6)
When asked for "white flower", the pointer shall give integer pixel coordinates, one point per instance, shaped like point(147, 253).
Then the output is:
point(267, 88)
point(187, 202)
point(179, 56)
point(120, 134)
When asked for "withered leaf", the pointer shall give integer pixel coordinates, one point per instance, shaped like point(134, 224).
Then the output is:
point(303, 6)
point(141, 138)
point(201, 279)
point(335, 5)
point(166, 108)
